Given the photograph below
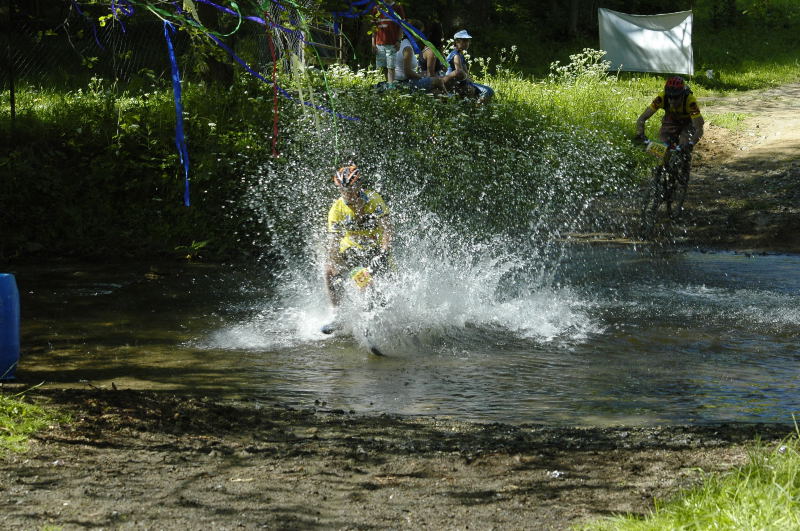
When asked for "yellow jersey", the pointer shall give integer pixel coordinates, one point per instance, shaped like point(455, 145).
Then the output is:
point(687, 109)
point(361, 231)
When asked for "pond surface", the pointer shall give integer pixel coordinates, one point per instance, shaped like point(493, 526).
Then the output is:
point(605, 336)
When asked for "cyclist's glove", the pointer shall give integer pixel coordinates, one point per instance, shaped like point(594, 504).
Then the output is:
point(379, 262)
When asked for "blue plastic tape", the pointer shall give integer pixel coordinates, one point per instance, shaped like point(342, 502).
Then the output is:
point(180, 138)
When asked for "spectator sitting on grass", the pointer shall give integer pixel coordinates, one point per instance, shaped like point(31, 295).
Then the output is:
point(457, 64)
point(429, 63)
point(407, 70)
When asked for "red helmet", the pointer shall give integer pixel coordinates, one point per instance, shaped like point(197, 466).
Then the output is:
point(347, 175)
point(675, 86)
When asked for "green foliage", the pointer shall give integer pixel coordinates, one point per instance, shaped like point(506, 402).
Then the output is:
point(746, 57)
point(763, 494)
point(19, 420)
point(191, 251)
point(94, 171)
point(586, 67)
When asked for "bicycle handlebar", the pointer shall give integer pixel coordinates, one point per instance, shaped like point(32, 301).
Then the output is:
point(672, 145)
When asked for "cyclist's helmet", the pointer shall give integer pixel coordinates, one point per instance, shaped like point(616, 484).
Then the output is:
point(675, 86)
point(347, 175)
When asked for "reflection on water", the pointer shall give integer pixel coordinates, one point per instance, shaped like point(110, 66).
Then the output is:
point(611, 336)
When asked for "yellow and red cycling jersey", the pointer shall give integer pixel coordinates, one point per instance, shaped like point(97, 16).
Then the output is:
point(362, 231)
point(687, 109)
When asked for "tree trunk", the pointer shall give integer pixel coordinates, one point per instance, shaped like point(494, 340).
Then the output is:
point(218, 72)
point(470, 15)
point(572, 24)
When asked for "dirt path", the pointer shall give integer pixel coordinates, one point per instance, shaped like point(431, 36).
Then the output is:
point(141, 460)
point(745, 192)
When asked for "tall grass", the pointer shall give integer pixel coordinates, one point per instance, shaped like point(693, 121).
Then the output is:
point(763, 494)
point(108, 176)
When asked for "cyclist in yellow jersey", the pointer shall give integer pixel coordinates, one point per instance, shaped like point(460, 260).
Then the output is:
point(360, 232)
point(682, 123)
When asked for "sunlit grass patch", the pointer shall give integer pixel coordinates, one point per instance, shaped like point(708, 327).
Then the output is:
point(763, 494)
point(735, 121)
point(19, 420)
point(582, 93)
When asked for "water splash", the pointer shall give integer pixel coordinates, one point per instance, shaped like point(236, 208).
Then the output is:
point(480, 198)
point(446, 289)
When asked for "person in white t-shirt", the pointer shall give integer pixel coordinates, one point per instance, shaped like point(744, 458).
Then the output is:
point(406, 70)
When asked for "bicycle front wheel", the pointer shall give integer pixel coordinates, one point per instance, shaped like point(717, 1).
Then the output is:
point(677, 189)
point(654, 196)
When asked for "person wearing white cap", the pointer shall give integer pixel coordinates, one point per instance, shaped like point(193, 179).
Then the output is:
point(458, 67)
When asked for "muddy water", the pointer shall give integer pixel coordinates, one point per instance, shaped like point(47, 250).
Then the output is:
point(607, 336)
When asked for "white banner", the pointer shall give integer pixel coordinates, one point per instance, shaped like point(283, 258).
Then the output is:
point(647, 43)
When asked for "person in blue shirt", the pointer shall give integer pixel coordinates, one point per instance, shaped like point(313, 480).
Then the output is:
point(458, 67)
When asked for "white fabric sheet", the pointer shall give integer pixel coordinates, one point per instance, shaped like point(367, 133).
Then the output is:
point(647, 43)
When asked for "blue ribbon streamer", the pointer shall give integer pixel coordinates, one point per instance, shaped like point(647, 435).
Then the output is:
point(121, 7)
point(267, 81)
point(250, 70)
point(180, 138)
point(350, 13)
point(402, 23)
point(232, 12)
point(385, 10)
point(297, 34)
point(91, 24)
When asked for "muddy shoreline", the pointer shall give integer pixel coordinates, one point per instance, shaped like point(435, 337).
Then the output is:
point(142, 459)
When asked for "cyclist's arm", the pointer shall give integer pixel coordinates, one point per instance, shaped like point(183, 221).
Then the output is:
point(648, 112)
point(335, 235)
point(697, 124)
point(386, 228)
point(333, 246)
point(333, 260)
point(459, 67)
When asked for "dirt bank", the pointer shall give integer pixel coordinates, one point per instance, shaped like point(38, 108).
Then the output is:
point(156, 461)
point(745, 192)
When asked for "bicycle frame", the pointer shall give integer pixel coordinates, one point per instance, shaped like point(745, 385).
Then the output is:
point(668, 184)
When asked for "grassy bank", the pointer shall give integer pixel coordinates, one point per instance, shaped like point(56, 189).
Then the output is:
point(94, 172)
point(763, 494)
point(19, 420)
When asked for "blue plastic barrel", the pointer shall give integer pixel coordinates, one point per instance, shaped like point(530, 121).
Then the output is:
point(9, 326)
